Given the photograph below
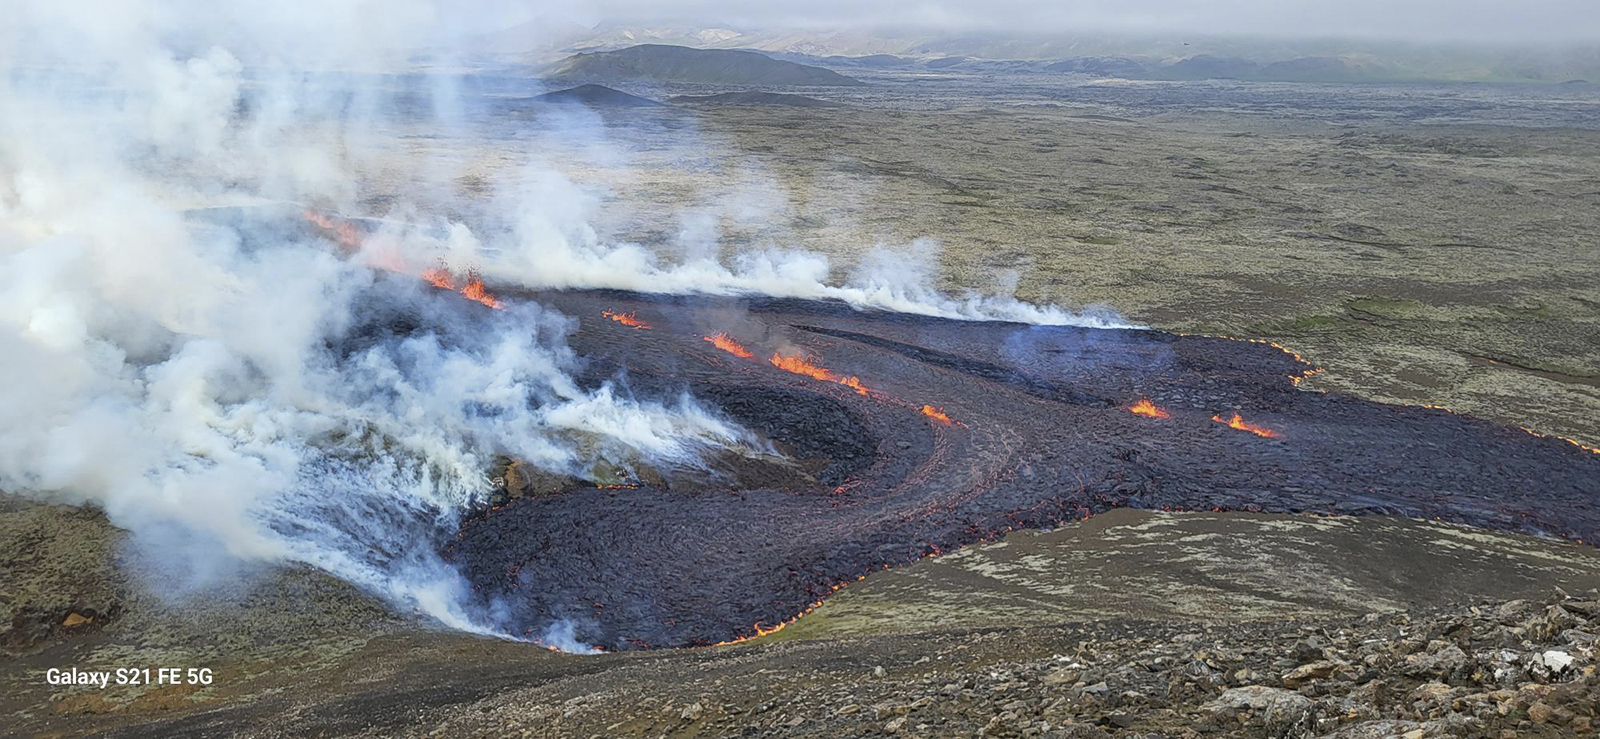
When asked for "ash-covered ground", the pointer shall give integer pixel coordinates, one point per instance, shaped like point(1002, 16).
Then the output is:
point(1038, 428)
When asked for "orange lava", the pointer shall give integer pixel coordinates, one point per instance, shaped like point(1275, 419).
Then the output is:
point(761, 631)
point(1540, 434)
point(627, 319)
point(805, 366)
point(474, 290)
point(854, 383)
point(441, 278)
point(348, 235)
point(802, 366)
point(721, 341)
point(1310, 370)
point(1574, 442)
point(1243, 425)
point(935, 414)
point(1148, 409)
point(1297, 379)
point(344, 231)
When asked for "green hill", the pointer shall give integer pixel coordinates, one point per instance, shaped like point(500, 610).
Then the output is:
point(662, 63)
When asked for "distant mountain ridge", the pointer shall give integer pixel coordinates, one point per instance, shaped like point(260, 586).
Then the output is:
point(664, 63)
point(1164, 57)
point(1351, 68)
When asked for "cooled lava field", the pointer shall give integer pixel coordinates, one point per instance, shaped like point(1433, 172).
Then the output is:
point(899, 436)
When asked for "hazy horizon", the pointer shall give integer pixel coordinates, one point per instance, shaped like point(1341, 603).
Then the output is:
point(324, 30)
point(1566, 22)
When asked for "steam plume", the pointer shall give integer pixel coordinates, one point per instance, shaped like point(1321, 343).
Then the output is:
point(217, 376)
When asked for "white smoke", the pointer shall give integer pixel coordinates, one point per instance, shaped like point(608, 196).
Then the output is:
point(209, 381)
point(220, 383)
point(554, 244)
point(563, 636)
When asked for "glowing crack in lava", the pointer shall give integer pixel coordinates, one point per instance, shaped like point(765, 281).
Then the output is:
point(1148, 409)
point(935, 414)
point(721, 341)
point(629, 319)
point(1238, 422)
point(737, 544)
point(807, 366)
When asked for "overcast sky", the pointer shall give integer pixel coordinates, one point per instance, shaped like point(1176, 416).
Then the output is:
point(1432, 20)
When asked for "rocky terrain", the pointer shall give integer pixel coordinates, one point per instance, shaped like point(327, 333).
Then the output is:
point(1512, 669)
point(1522, 668)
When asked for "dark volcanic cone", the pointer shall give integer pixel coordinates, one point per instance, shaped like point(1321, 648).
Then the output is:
point(598, 95)
point(1040, 431)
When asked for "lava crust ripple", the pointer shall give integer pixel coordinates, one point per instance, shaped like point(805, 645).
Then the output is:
point(1039, 432)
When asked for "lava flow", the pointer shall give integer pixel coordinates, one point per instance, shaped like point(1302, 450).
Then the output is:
point(721, 341)
point(1238, 422)
point(630, 319)
point(349, 236)
point(807, 366)
point(935, 414)
point(735, 544)
point(1148, 409)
